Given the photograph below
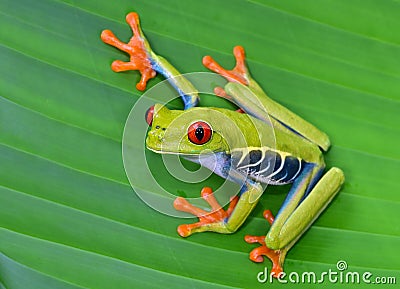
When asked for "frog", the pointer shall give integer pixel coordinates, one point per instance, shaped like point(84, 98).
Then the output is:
point(238, 146)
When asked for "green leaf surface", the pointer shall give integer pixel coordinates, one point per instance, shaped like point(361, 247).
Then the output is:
point(68, 215)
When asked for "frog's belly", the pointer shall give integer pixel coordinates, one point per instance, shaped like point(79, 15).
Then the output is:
point(266, 165)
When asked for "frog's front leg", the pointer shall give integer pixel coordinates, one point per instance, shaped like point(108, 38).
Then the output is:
point(308, 197)
point(208, 221)
point(219, 220)
point(143, 59)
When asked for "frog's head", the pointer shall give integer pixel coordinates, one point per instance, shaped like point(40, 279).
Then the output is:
point(189, 132)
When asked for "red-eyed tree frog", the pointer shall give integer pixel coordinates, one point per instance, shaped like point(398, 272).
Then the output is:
point(295, 158)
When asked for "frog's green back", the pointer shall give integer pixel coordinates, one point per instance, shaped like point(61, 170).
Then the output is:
point(276, 136)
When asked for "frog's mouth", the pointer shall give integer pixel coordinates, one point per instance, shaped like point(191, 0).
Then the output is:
point(184, 154)
point(157, 145)
point(164, 151)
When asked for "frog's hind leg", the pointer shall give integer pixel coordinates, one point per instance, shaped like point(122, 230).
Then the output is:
point(298, 212)
point(208, 221)
point(256, 255)
point(295, 217)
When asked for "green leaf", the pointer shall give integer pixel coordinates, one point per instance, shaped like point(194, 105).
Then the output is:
point(68, 216)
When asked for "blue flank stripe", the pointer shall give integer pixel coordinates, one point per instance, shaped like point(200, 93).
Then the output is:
point(298, 182)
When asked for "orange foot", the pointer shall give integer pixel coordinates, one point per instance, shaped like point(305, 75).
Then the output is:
point(217, 215)
point(257, 254)
point(238, 74)
point(136, 48)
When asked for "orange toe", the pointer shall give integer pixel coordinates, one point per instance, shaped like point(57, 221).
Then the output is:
point(238, 74)
point(216, 215)
point(139, 54)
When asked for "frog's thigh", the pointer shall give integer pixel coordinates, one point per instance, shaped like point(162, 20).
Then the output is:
point(308, 211)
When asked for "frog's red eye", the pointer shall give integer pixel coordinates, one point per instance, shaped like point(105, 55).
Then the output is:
point(199, 132)
point(149, 115)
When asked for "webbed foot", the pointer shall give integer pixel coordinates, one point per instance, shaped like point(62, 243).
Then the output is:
point(208, 221)
point(256, 255)
point(137, 48)
point(238, 74)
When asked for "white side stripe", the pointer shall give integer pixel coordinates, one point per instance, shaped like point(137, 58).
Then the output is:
point(279, 169)
point(255, 164)
point(298, 171)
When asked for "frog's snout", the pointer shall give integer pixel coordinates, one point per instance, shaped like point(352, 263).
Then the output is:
point(155, 137)
point(157, 131)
